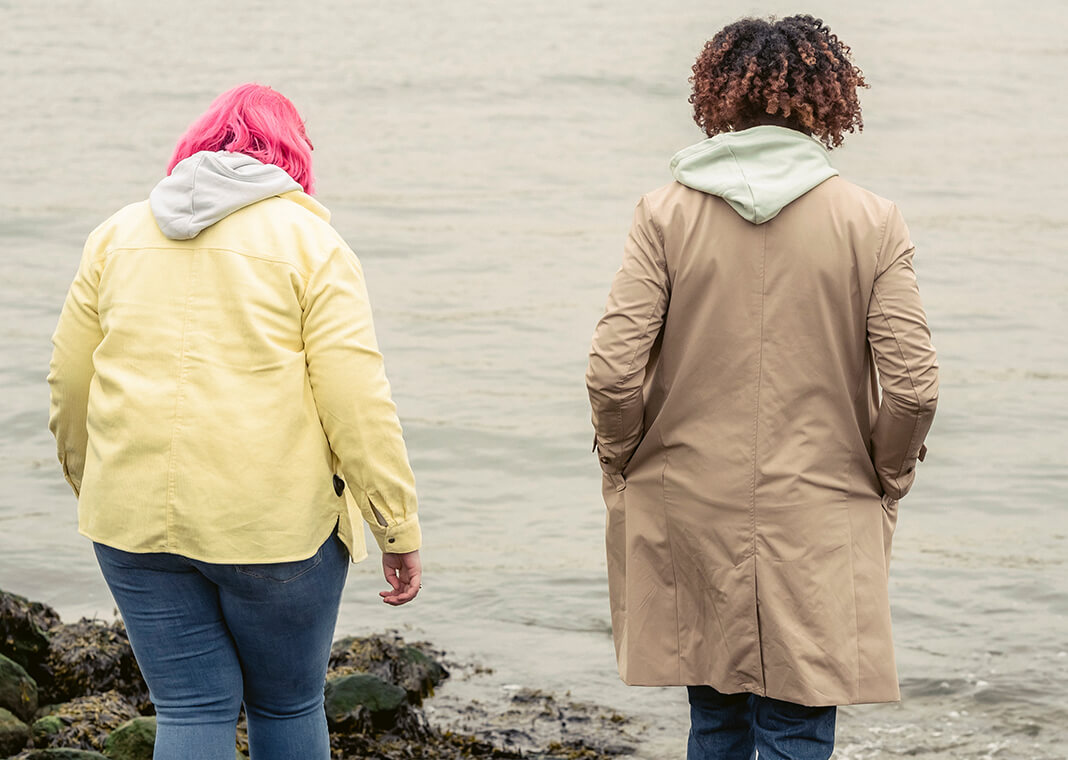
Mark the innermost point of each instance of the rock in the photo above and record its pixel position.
(91, 657)
(410, 666)
(65, 754)
(362, 703)
(43, 728)
(23, 630)
(133, 740)
(85, 722)
(18, 692)
(14, 734)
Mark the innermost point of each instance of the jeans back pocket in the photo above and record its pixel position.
(282, 572)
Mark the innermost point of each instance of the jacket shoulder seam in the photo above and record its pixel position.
(246, 254)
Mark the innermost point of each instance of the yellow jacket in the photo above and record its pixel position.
(206, 391)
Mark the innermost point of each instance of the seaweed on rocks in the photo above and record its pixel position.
(416, 668)
(84, 722)
(91, 657)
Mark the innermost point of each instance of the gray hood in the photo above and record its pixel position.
(758, 171)
(208, 187)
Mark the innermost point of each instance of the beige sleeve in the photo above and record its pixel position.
(622, 341)
(352, 395)
(71, 370)
(905, 359)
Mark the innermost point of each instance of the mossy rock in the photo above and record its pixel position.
(24, 631)
(413, 667)
(14, 734)
(18, 692)
(43, 729)
(91, 657)
(363, 703)
(64, 753)
(133, 740)
(85, 722)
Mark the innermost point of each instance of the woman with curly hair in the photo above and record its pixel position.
(752, 468)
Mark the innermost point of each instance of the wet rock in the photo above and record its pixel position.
(133, 740)
(413, 667)
(23, 630)
(65, 754)
(91, 657)
(14, 734)
(86, 721)
(18, 692)
(362, 703)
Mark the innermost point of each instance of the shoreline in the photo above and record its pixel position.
(73, 691)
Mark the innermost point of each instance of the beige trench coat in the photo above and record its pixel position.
(750, 471)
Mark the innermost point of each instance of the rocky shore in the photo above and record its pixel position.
(73, 691)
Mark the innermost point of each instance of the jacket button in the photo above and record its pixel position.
(606, 460)
(391, 540)
(909, 470)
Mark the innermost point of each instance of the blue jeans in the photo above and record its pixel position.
(208, 637)
(736, 726)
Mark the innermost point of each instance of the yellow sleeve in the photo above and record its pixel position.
(71, 370)
(352, 395)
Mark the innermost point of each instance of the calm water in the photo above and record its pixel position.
(483, 159)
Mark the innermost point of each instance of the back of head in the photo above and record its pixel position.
(793, 72)
(257, 121)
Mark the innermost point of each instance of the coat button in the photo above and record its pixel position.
(909, 470)
(606, 460)
(391, 540)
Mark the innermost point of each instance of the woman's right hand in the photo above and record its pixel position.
(403, 573)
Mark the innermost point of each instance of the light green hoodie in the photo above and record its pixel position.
(758, 171)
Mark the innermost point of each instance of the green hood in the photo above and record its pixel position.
(758, 171)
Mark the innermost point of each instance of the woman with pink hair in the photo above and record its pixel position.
(222, 414)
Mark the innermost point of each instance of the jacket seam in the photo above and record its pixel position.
(648, 319)
(756, 428)
(246, 254)
(852, 571)
(756, 396)
(674, 572)
(749, 187)
(172, 477)
(908, 374)
(642, 337)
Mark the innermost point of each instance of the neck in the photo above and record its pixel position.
(770, 120)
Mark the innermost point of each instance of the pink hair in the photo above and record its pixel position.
(255, 120)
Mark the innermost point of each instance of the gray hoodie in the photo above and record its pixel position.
(758, 171)
(208, 187)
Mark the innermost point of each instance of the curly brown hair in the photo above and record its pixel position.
(794, 72)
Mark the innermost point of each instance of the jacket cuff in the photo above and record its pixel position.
(399, 538)
(609, 465)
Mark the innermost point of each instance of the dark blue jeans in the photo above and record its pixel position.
(209, 637)
(743, 726)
